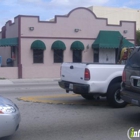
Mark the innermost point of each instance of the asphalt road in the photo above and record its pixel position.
(66, 121)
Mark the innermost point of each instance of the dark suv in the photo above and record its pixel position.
(130, 87)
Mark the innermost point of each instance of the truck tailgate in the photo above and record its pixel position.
(73, 72)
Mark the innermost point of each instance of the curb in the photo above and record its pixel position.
(27, 81)
(35, 80)
(6, 82)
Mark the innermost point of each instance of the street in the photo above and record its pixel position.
(66, 116)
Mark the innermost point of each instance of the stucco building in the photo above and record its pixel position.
(38, 48)
(115, 15)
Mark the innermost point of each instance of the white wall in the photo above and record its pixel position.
(12, 28)
(107, 56)
(9, 72)
(5, 52)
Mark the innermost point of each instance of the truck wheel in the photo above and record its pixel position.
(113, 96)
(87, 97)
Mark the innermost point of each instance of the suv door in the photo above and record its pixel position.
(132, 72)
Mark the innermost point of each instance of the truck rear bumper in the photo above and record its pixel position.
(76, 88)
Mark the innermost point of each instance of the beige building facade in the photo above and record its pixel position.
(38, 48)
(115, 15)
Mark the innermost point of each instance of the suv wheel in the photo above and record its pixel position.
(113, 96)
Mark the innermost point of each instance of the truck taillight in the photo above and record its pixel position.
(124, 76)
(87, 74)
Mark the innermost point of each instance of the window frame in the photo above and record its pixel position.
(40, 56)
(74, 56)
(58, 56)
(96, 55)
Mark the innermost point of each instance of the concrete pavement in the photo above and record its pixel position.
(5, 82)
(44, 85)
(28, 85)
(27, 81)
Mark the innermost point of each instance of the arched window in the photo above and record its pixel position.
(77, 47)
(58, 47)
(38, 48)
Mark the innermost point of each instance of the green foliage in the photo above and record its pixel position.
(138, 37)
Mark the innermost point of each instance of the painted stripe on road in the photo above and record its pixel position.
(71, 99)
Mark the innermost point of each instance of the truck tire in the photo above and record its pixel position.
(87, 97)
(113, 96)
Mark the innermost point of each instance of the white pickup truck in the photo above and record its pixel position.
(93, 80)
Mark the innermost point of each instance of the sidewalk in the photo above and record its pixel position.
(22, 81)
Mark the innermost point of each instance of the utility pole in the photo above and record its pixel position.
(119, 49)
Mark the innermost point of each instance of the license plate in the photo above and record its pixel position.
(135, 102)
(70, 86)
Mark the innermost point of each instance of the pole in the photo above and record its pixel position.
(119, 49)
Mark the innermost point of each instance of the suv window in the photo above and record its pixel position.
(134, 60)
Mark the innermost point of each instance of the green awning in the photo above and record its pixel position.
(9, 42)
(110, 39)
(58, 45)
(38, 44)
(77, 45)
